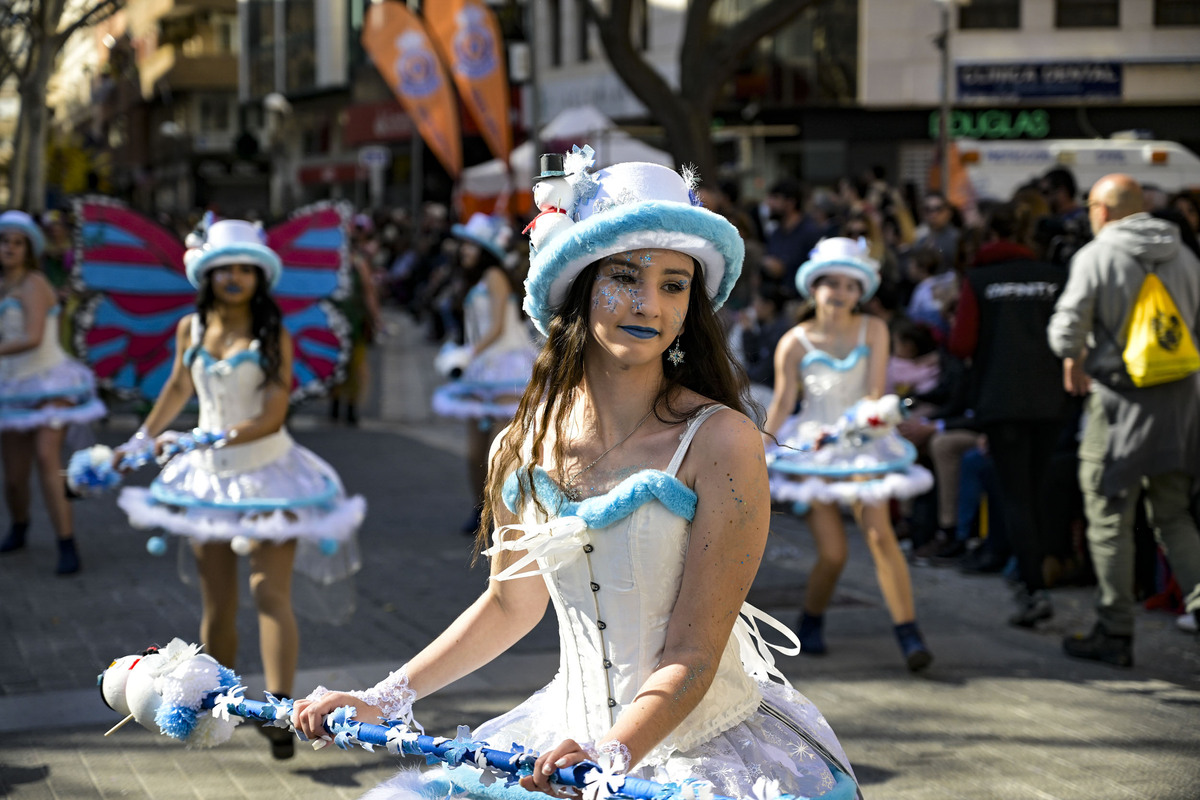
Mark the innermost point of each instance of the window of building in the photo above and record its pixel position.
(554, 23)
(260, 46)
(1087, 13)
(583, 29)
(301, 37)
(214, 115)
(990, 15)
(1172, 13)
(225, 34)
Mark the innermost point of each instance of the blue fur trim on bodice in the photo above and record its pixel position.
(838, 364)
(210, 361)
(614, 505)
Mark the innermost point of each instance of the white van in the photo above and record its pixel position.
(997, 168)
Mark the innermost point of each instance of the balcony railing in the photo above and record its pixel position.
(187, 73)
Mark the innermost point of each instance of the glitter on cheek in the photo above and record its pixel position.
(611, 295)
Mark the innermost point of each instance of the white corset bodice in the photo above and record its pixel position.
(230, 391)
(47, 354)
(477, 318)
(613, 565)
(832, 385)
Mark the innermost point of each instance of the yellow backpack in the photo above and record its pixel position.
(1159, 346)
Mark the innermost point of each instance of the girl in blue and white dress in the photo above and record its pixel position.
(257, 492)
(497, 357)
(629, 494)
(42, 389)
(837, 450)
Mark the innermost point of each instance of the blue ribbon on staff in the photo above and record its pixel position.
(91, 471)
(347, 732)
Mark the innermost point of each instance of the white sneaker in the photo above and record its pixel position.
(1186, 622)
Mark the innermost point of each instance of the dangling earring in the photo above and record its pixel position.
(675, 354)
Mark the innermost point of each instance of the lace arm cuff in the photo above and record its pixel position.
(612, 756)
(393, 697)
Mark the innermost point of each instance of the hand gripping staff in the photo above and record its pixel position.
(91, 472)
(187, 695)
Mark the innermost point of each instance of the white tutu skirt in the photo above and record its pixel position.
(491, 386)
(869, 470)
(760, 747)
(295, 496)
(64, 394)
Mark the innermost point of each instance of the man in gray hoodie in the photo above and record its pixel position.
(1134, 438)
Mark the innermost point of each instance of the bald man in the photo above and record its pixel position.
(1135, 438)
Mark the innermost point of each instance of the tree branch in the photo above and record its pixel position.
(93, 16)
(735, 41)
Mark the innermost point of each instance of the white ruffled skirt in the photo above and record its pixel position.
(871, 470)
(491, 386)
(763, 747)
(295, 496)
(61, 395)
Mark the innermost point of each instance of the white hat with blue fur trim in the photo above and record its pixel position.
(631, 206)
(230, 241)
(21, 222)
(483, 230)
(841, 256)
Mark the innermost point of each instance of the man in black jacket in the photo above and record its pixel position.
(1017, 391)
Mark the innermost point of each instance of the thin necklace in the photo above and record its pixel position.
(573, 494)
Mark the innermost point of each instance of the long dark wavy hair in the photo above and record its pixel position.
(266, 320)
(709, 369)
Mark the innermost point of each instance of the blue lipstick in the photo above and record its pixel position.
(639, 332)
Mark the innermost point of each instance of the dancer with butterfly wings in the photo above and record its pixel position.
(254, 491)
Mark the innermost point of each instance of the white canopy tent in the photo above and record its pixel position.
(581, 125)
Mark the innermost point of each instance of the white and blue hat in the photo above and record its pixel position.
(21, 222)
(230, 241)
(839, 255)
(490, 233)
(631, 206)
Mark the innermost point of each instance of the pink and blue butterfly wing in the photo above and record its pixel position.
(314, 247)
(129, 272)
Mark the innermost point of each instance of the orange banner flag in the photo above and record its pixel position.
(403, 53)
(468, 37)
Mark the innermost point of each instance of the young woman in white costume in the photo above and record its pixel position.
(833, 360)
(630, 493)
(498, 350)
(42, 389)
(257, 493)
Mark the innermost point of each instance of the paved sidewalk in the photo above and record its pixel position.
(1001, 715)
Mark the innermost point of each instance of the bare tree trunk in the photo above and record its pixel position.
(30, 187)
(16, 173)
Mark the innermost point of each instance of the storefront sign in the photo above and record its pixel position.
(1032, 81)
(376, 122)
(994, 123)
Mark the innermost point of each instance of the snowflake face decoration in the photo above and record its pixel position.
(618, 283)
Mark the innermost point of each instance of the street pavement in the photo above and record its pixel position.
(1001, 714)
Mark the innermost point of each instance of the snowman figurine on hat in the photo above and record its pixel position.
(554, 196)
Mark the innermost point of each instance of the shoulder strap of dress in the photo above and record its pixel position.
(862, 332)
(195, 329)
(693, 425)
(803, 337)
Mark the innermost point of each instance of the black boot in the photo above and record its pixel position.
(68, 558)
(916, 653)
(351, 415)
(16, 537)
(1032, 607)
(335, 409)
(1100, 645)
